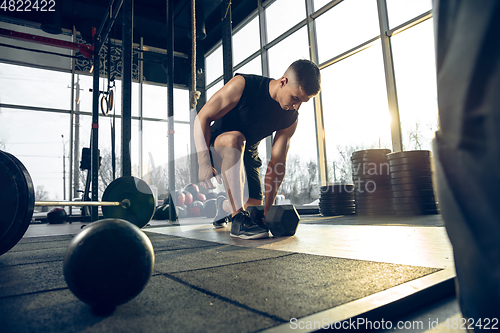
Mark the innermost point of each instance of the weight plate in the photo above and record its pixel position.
(17, 201)
(409, 160)
(412, 187)
(369, 160)
(338, 195)
(336, 201)
(409, 153)
(137, 192)
(10, 195)
(413, 200)
(373, 213)
(422, 193)
(421, 206)
(408, 167)
(346, 198)
(375, 205)
(411, 173)
(411, 180)
(417, 212)
(364, 182)
(371, 152)
(337, 189)
(350, 212)
(372, 188)
(373, 200)
(337, 208)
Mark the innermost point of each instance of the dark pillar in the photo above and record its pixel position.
(227, 48)
(94, 144)
(127, 27)
(170, 106)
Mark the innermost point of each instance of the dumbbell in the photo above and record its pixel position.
(282, 220)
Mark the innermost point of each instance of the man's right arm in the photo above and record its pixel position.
(221, 103)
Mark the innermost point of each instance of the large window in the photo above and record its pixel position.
(345, 26)
(39, 140)
(213, 65)
(415, 70)
(355, 109)
(354, 92)
(34, 87)
(282, 15)
(246, 41)
(302, 177)
(401, 11)
(252, 67)
(283, 54)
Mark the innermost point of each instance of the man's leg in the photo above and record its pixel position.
(229, 148)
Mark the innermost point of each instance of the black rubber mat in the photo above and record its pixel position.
(198, 286)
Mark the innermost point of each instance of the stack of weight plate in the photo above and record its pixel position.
(372, 190)
(337, 200)
(411, 183)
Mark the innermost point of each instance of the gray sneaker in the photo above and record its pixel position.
(243, 227)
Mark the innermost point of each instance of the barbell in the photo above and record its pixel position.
(128, 198)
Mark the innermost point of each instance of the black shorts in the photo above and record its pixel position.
(252, 163)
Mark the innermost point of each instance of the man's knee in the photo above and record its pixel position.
(233, 139)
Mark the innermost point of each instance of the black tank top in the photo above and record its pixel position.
(256, 115)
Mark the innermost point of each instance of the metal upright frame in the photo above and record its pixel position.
(127, 40)
(227, 47)
(170, 107)
(390, 79)
(99, 39)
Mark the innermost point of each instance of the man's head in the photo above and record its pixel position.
(301, 81)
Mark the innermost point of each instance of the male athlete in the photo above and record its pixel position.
(229, 128)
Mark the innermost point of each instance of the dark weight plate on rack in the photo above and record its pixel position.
(373, 201)
(380, 205)
(411, 180)
(340, 207)
(341, 188)
(411, 173)
(373, 213)
(410, 153)
(421, 206)
(413, 200)
(368, 152)
(421, 193)
(336, 213)
(340, 201)
(417, 212)
(409, 160)
(17, 201)
(371, 189)
(412, 187)
(368, 161)
(408, 167)
(379, 180)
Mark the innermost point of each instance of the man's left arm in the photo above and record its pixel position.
(277, 165)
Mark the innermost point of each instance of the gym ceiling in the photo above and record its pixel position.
(149, 20)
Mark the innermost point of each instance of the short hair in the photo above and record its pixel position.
(307, 75)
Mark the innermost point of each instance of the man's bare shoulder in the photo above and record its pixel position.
(234, 88)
